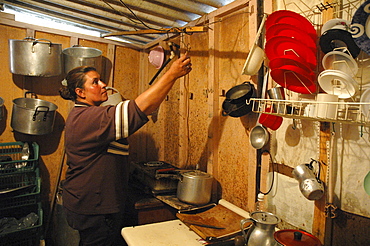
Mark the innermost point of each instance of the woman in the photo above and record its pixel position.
(96, 148)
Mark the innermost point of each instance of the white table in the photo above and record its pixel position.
(168, 233)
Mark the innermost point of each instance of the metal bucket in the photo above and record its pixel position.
(35, 57)
(114, 98)
(82, 56)
(33, 116)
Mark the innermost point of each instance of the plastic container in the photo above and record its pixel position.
(260, 204)
(11, 160)
(28, 195)
(25, 234)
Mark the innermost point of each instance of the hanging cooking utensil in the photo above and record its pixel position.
(32, 115)
(78, 55)
(256, 54)
(259, 135)
(35, 57)
(172, 55)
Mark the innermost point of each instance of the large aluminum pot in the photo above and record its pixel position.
(82, 56)
(195, 187)
(33, 116)
(35, 57)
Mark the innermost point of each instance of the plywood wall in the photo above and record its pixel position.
(189, 127)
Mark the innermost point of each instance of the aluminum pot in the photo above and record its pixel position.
(77, 56)
(35, 57)
(235, 110)
(291, 237)
(195, 187)
(114, 98)
(33, 116)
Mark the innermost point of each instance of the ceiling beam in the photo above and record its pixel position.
(162, 31)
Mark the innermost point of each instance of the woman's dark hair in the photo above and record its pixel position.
(74, 79)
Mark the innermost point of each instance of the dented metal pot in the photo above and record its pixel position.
(195, 187)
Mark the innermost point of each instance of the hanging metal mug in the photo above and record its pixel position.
(309, 184)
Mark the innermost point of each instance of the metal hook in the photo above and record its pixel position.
(294, 126)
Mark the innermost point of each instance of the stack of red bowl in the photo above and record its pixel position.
(291, 49)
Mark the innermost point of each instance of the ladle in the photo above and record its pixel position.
(259, 135)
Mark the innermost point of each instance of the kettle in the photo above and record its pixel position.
(310, 185)
(262, 230)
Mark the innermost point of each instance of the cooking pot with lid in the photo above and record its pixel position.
(195, 187)
(290, 237)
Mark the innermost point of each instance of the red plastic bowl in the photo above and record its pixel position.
(291, 60)
(156, 57)
(294, 78)
(271, 121)
(279, 46)
(292, 18)
(288, 30)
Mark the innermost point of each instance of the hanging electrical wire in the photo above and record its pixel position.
(137, 18)
(121, 13)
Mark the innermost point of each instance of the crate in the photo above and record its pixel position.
(19, 189)
(29, 236)
(30, 196)
(11, 157)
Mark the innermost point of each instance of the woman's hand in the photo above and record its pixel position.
(150, 99)
(180, 67)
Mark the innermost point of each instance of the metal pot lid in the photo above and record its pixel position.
(196, 174)
(290, 237)
(265, 218)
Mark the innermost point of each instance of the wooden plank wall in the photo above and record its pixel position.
(189, 128)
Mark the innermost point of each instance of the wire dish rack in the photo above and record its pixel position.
(341, 112)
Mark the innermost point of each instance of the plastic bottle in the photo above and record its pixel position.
(260, 204)
(25, 155)
(25, 151)
(28, 221)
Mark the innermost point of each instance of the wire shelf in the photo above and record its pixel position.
(341, 112)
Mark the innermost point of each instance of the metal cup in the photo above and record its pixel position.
(279, 94)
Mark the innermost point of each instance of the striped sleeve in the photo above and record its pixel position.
(122, 124)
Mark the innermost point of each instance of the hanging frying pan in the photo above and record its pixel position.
(167, 61)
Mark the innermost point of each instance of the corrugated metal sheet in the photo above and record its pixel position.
(112, 16)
